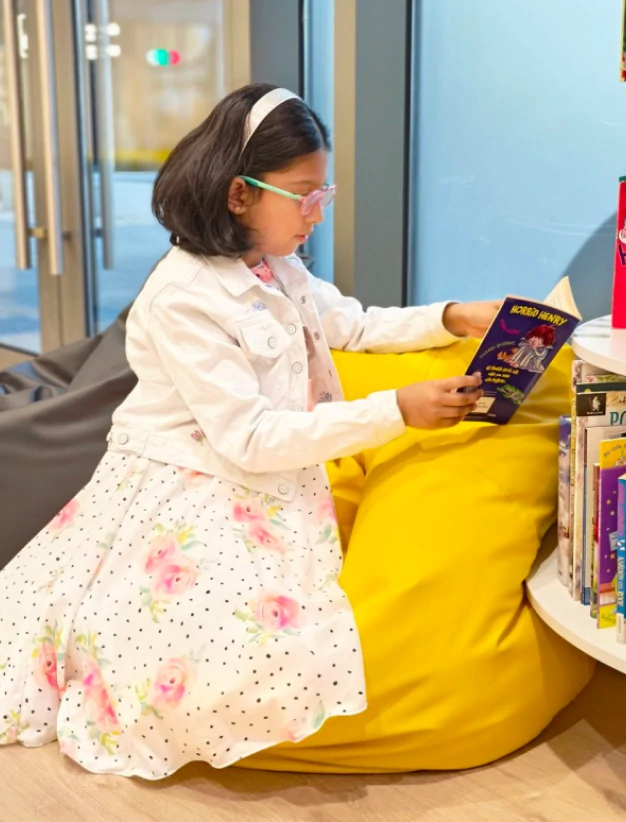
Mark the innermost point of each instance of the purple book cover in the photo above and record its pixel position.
(520, 344)
(607, 546)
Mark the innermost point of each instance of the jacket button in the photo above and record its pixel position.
(291, 329)
(272, 342)
(283, 489)
(316, 335)
(122, 439)
(296, 368)
(303, 300)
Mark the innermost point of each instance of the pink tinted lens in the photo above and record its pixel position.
(322, 197)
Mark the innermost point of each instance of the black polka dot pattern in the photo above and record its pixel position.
(165, 617)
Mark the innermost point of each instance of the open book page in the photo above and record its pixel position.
(561, 298)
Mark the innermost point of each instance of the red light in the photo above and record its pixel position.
(174, 58)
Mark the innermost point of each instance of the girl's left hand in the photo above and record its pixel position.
(470, 319)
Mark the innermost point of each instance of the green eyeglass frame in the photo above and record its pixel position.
(321, 196)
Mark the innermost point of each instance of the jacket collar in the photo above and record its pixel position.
(237, 278)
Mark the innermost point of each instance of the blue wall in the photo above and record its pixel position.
(521, 138)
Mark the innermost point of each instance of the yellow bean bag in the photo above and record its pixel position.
(441, 530)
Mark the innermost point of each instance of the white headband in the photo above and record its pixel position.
(262, 108)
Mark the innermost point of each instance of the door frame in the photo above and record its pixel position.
(58, 191)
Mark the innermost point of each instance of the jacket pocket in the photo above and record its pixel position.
(265, 338)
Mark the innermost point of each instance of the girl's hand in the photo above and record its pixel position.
(438, 403)
(470, 319)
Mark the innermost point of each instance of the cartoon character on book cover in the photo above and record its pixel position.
(532, 349)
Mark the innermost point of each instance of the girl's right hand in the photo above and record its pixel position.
(438, 403)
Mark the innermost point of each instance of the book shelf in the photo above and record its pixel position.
(598, 344)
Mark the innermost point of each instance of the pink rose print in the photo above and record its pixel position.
(264, 538)
(97, 699)
(327, 509)
(92, 679)
(173, 680)
(175, 578)
(162, 551)
(198, 436)
(276, 613)
(46, 671)
(192, 478)
(11, 735)
(68, 747)
(250, 510)
(105, 718)
(65, 517)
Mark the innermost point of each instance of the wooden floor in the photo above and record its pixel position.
(573, 772)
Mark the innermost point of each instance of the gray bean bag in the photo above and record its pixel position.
(55, 412)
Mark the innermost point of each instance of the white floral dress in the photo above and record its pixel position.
(166, 616)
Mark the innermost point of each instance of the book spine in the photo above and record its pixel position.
(578, 505)
(595, 546)
(564, 543)
(621, 560)
(618, 314)
(577, 368)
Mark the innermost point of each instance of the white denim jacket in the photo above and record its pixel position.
(222, 369)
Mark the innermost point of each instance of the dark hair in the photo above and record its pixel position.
(190, 196)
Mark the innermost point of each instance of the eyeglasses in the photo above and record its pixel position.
(308, 202)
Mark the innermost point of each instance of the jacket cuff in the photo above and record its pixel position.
(439, 334)
(388, 420)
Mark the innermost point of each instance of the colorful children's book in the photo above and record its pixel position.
(612, 467)
(519, 345)
(596, 405)
(593, 440)
(582, 372)
(564, 544)
(621, 560)
(594, 542)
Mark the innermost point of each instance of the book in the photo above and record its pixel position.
(593, 606)
(563, 532)
(612, 467)
(518, 347)
(621, 560)
(594, 437)
(596, 405)
(582, 372)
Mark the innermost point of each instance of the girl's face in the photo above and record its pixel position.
(276, 221)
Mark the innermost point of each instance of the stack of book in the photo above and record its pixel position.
(592, 496)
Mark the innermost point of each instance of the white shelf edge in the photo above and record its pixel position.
(552, 602)
(600, 345)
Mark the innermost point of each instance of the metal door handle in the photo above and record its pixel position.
(18, 140)
(49, 114)
(105, 144)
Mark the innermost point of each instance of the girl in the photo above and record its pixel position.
(186, 605)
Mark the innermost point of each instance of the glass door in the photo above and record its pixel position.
(41, 233)
(153, 70)
(20, 324)
(93, 96)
